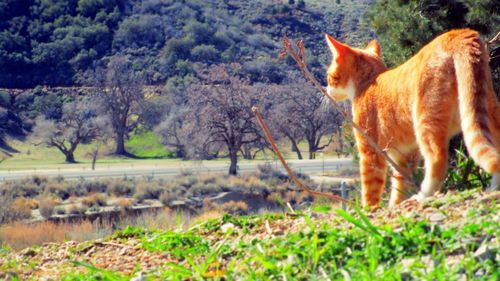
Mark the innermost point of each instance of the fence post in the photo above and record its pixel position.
(343, 193)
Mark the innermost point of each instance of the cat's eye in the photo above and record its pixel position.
(335, 78)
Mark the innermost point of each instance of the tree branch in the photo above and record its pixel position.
(287, 168)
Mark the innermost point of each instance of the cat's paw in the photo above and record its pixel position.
(416, 199)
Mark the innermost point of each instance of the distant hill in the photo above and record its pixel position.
(53, 42)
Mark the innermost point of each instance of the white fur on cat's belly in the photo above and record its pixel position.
(341, 94)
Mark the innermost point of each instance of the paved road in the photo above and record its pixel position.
(303, 166)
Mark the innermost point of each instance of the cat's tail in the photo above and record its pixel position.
(476, 95)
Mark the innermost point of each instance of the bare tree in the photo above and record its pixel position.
(172, 131)
(79, 124)
(301, 113)
(220, 106)
(120, 93)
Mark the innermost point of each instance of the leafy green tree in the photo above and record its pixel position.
(403, 27)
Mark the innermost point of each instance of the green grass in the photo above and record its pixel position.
(147, 145)
(415, 250)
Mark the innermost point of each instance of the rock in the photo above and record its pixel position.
(227, 227)
(139, 277)
(484, 253)
(436, 217)
(254, 202)
(177, 203)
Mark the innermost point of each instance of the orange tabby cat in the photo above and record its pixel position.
(414, 109)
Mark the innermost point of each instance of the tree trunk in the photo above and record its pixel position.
(312, 151)
(233, 167)
(245, 151)
(295, 148)
(70, 157)
(120, 143)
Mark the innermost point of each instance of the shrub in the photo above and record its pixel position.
(124, 203)
(167, 198)
(188, 181)
(59, 189)
(60, 210)
(13, 209)
(120, 188)
(95, 200)
(239, 208)
(147, 190)
(202, 190)
(77, 209)
(205, 53)
(261, 41)
(21, 188)
(255, 186)
(46, 206)
(95, 186)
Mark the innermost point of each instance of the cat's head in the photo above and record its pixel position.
(349, 67)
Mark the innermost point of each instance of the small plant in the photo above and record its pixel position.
(464, 173)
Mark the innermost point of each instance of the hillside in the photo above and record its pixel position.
(452, 237)
(55, 42)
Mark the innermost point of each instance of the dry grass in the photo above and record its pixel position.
(19, 235)
(239, 208)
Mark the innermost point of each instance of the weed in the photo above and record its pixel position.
(180, 245)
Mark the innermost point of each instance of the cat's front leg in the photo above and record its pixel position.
(373, 168)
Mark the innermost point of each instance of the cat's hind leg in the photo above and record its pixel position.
(433, 140)
(373, 168)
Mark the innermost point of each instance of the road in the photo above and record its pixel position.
(303, 166)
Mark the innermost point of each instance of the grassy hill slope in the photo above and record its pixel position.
(452, 237)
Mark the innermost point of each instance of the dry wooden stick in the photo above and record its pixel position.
(494, 40)
(289, 171)
(299, 56)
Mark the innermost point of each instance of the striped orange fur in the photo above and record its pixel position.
(414, 109)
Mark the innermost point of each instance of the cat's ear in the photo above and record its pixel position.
(373, 47)
(338, 49)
